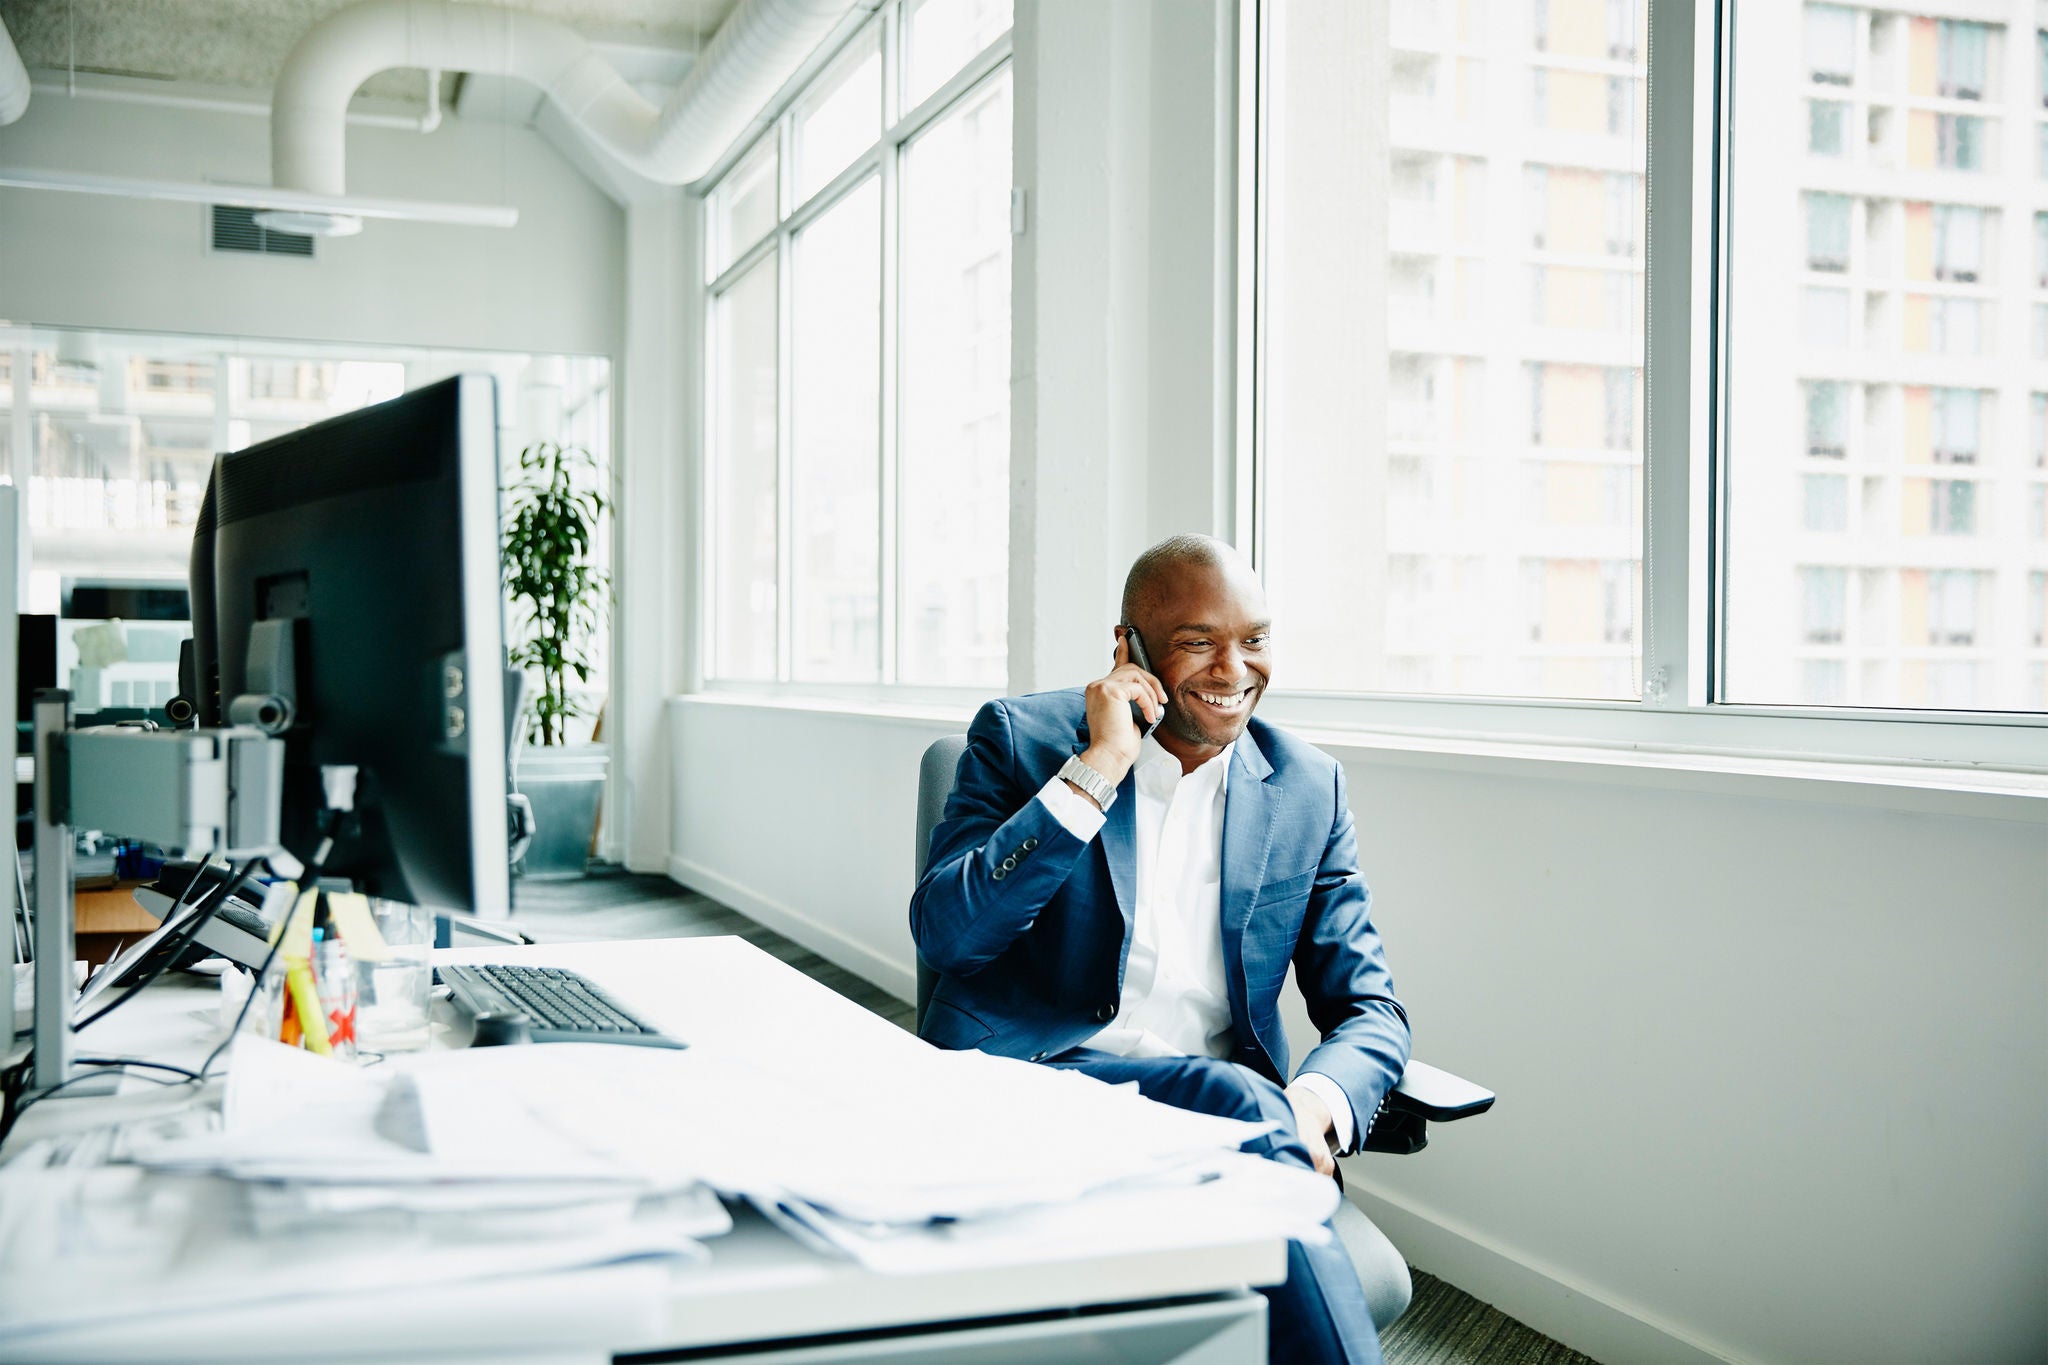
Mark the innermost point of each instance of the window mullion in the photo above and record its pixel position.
(785, 349)
(890, 434)
(1677, 282)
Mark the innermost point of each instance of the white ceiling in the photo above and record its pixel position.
(242, 43)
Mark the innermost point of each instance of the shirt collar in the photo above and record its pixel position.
(1159, 771)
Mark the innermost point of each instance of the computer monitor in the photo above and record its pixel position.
(375, 535)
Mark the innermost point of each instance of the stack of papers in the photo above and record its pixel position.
(322, 1180)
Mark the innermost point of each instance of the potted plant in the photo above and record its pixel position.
(559, 597)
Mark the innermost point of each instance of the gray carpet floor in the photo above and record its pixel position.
(1443, 1325)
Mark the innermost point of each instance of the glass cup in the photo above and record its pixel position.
(392, 996)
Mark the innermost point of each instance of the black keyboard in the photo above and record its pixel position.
(561, 1006)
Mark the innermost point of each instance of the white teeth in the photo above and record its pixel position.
(1223, 703)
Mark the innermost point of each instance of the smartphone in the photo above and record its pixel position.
(1144, 661)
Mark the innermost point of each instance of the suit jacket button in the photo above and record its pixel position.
(999, 873)
(1105, 1014)
(1040, 1056)
(1030, 844)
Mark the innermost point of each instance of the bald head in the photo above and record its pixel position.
(1153, 569)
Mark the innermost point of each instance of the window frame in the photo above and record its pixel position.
(883, 161)
(1685, 487)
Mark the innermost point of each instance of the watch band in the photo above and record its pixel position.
(1099, 788)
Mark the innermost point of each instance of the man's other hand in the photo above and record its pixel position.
(1312, 1121)
(1113, 736)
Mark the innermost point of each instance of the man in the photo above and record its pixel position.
(1127, 904)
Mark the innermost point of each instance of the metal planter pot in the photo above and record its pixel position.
(566, 787)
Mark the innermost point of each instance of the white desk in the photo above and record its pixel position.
(723, 994)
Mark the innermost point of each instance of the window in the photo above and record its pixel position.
(857, 463)
(835, 443)
(743, 473)
(1827, 232)
(1864, 391)
(1958, 242)
(953, 487)
(1514, 427)
(1959, 141)
(118, 436)
(1955, 428)
(1827, 418)
(1824, 598)
(1950, 605)
(840, 116)
(1962, 60)
(1831, 44)
(2041, 249)
(1824, 122)
(1827, 502)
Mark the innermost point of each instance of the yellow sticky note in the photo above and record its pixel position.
(295, 928)
(357, 927)
(277, 904)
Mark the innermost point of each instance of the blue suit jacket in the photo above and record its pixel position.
(1029, 928)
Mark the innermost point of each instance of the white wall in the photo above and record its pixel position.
(553, 283)
(1772, 1051)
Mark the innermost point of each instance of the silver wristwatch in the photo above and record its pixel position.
(1099, 788)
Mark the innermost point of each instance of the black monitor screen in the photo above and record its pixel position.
(374, 535)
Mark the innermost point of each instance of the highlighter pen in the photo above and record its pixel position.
(298, 979)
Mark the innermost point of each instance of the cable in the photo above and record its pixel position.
(17, 1106)
(310, 882)
(175, 946)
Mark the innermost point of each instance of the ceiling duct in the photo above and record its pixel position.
(754, 54)
(13, 80)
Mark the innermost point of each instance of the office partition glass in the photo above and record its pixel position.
(111, 436)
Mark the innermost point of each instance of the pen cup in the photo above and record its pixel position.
(392, 996)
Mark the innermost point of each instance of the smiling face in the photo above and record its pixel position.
(1206, 629)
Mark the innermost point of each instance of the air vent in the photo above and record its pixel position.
(234, 229)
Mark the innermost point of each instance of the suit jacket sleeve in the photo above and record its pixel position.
(996, 859)
(1342, 972)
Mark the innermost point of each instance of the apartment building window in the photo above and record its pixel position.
(1952, 607)
(1827, 502)
(1825, 120)
(1830, 44)
(1951, 505)
(857, 384)
(1955, 427)
(1827, 231)
(1959, 141)
(1824, 604)
(2037, 609)
(1962, 59)
(1866, 385)
(1958, 242)
(2037, 428)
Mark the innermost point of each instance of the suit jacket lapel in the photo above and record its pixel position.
(1247, 843)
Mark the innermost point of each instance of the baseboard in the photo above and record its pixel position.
(822, 939)
(1540, 1296)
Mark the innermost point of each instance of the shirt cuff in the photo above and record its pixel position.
(1341, 1117)
(1071, 809)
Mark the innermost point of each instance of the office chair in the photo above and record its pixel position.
(1425, 1093)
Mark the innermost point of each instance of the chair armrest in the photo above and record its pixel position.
(1436, 1094)
(1425, 1092)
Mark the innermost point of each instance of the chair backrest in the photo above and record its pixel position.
(935, 774)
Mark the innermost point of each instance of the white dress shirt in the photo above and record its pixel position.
(1175, 1000)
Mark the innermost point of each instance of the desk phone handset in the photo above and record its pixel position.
(1144, 661)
